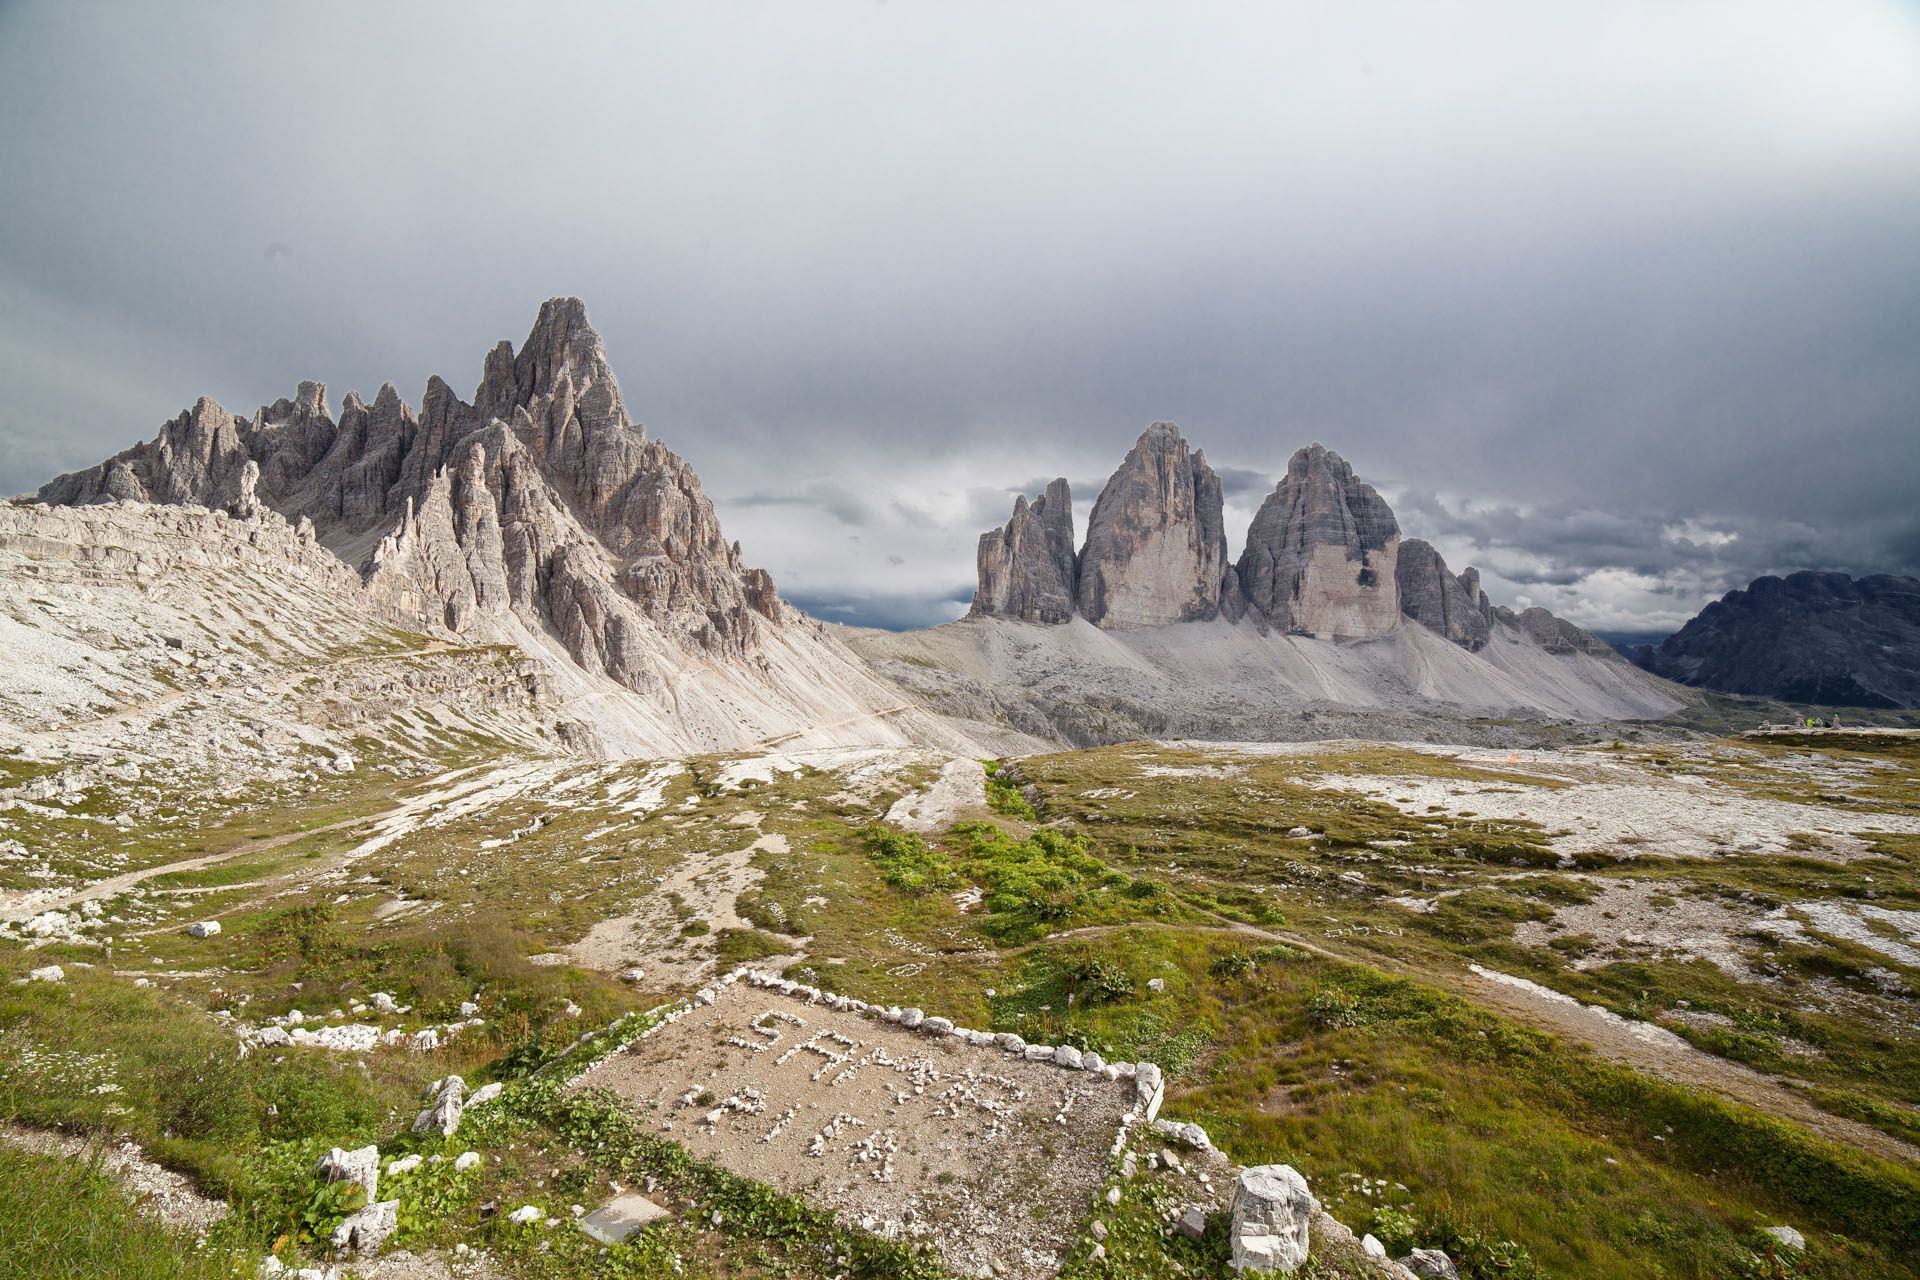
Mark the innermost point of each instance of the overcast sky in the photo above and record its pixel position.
(1620, 302)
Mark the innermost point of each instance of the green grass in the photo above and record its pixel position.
(65, 1220)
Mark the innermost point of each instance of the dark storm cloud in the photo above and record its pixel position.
(1619, 300)
(1238, 482)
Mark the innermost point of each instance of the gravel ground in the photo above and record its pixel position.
(990, 1158)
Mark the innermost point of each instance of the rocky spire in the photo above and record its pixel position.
(1439, 601)
(1027, 569)
(1321, 553)
(1156, 543)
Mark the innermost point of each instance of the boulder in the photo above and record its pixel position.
(1788, 1238)
(444, 1115)
(204, 928)
(361, 1165)
(47, 973)
(1272, 1214)
(1430, 1264)
(365, 1230)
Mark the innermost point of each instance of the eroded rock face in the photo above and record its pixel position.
(1553, 633)
(1321, 553)
(540, 500)
(1027, 570)
(1156, 548)
(1436, 599)
(1273, 1211)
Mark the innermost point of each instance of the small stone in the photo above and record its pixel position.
(50, 973)
(1371, 1246)
(204, 928)
(466, 1160)
(620, 1217)
(1113, 1195)
(1193, 1222)
(525, 1214)
(1789, 1237)
(1156, 984)
(912, 1018)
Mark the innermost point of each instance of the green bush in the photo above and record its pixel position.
(907, 862)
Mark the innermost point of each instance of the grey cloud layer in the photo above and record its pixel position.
(1593, 273)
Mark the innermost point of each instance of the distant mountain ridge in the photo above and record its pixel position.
(1329, 624)
(1323, 557)
(1826, 639)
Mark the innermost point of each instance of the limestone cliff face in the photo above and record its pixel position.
(540, 500)
(1156, 548)
(1322, 552)
(1027, 570)
(1453, 607)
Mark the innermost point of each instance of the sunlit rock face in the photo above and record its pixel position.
(540, 499)
(1322, 552)
(1156, 548)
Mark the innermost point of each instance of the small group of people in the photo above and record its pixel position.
(1823, 722)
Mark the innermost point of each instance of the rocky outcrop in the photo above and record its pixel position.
(1321, 553)
(1552, 633)
(1156, 548)
(1824, 639)
(1273, 1211)
(541, 500)
(1027, 570)
(1434, 598)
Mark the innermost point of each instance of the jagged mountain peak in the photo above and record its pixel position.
(1320, 554)
(1156, 549)
(540, 500)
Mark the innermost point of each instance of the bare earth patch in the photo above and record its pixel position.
(704, 887)
(960, 790)
(989, 1157)
(1647, 814)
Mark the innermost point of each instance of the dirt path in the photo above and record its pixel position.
(1654, 1049)
(780, 740)
(450, 796)
(707, 887)
(15, 910)
(960, 788)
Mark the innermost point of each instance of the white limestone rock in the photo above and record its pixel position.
(1273, 1210)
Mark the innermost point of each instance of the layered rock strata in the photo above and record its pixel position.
(1028, 570)
(1321, 553)
(1156, 547)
